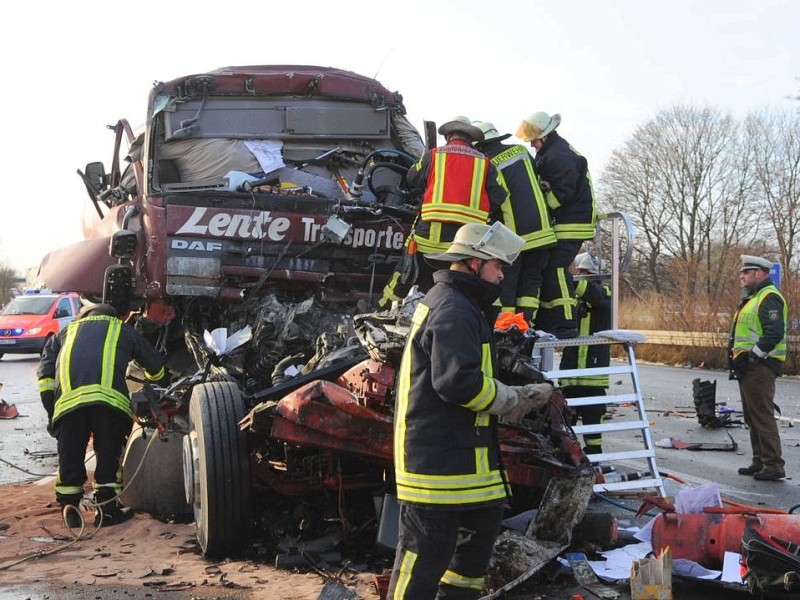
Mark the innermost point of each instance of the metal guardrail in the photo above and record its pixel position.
(698, 339)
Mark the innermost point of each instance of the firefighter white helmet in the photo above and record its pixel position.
(478, 240)
(587, 262)
(537, 125)
(490, 131)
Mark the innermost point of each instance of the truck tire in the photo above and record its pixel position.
(157, 486)
(217, 468)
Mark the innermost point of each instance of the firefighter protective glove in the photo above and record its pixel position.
(505, 399)
(530, 398)
(524, 405)
(538, 393)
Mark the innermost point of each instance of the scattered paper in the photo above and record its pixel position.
(731, 568)
(267, 153)
(645, 534)
(689, 568)
(291, 371)
(220, 343)
(618, 563)
(692, 500)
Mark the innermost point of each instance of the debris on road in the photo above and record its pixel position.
(8, 411)
(732, 447)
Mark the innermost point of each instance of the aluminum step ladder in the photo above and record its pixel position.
(652, 479)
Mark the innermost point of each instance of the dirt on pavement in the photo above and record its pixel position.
(141, 558)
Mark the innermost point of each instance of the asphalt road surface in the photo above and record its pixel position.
(668, 399)
(24, 441)
(670, 410)
(667, 392)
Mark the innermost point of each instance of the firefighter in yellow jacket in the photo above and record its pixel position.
(82, 383)
(527, 215)
(458, 185)
(447, 469)
(593, 312)
(565, 179)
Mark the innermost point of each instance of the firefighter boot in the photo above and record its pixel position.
(751, 469)
(109, 512)
(71, 513)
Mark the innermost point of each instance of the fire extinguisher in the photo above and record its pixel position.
(704, 538)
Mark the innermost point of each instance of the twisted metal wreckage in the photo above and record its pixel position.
(270, 201)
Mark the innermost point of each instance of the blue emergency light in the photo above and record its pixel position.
(775, 274)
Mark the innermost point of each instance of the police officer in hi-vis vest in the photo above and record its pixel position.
(756, 353)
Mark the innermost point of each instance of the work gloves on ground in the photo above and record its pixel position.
(512, 403)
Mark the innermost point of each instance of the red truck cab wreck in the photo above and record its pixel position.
(270, 197)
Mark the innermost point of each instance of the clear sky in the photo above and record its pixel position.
(71, 68)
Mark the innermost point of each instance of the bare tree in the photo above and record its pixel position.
(687, 186)
(630, 185)
(775, 141)
(8, 278)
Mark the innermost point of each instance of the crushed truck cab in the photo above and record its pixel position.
(270, 200)
(245, 175)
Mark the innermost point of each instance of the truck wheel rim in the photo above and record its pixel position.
(191, 467)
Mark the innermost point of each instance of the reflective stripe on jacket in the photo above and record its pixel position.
(445, 448)
(459, 185)
(594, 302)
(526, 212)
(571, 196)
(86, 363)
(749, 329)
(456, 190)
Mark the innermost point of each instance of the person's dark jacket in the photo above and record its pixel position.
(445, 442)
(594, 314)
(570, 196)
(526, 214)
(86, 363)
